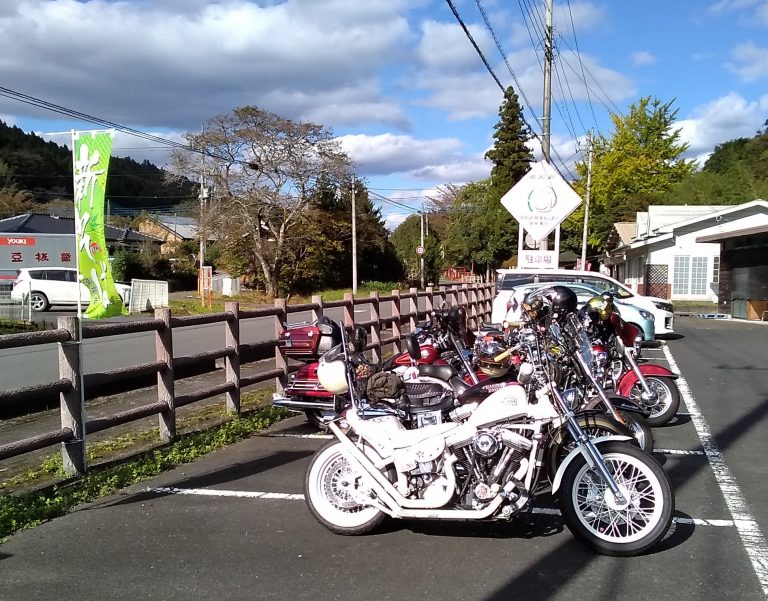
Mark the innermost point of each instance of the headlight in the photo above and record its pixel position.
(664, 306)
(646, 315)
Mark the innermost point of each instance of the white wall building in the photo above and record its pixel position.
(663, 257)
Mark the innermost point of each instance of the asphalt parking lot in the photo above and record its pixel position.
(234, 525)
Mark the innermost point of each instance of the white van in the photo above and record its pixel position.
(509, 279)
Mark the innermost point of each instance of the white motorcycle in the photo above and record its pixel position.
(487, 464)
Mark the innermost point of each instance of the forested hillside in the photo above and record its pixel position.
(37, 172)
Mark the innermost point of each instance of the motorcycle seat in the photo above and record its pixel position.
(442, 372)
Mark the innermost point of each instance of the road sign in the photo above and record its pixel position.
(541, 200)
(540, 259)
(419, 250)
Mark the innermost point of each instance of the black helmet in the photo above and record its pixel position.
(360, 339)
(457, 318)
(557, 301)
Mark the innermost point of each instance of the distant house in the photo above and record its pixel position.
(36, 239)
(674, 252)
(173, 230)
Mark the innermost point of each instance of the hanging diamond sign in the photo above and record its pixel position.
(541, 200)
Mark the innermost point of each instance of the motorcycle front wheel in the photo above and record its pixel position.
(593, 514)
(594, 425)
(640, 430)
(334, 490)
(669, 399)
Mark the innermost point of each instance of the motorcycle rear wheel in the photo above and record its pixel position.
(595, 518)
(669, 399)
(332, 491)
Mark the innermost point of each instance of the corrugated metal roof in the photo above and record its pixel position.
(40, 223)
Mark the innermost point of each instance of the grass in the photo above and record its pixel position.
(30, 509)
(195, 307)
(11, 326)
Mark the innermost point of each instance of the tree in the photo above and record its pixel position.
(637, 165)
(264, 174)
(510, 155)
(480, 230)
(12, 201)
(405, 239)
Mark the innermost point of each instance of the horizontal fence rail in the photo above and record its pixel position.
(167, 367)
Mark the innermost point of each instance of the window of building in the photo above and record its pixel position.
(681, 275)
(689, 276)
(716, 270)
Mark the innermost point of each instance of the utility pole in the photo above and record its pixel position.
(548, 58)
(354, 239)
(586, 205)
(421, 257)
(546, 125)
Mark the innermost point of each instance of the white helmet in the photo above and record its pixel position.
(333, 375)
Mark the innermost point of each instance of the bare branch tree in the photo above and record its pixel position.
(263, 172)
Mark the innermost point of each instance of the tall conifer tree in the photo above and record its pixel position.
(510, 154)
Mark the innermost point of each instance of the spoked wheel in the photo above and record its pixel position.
(336, 495)
(593, 514)
(319, 418)
(640, 430)
(669, 399)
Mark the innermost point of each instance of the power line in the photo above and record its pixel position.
(506, 61)
(474, 45)
(581, 62)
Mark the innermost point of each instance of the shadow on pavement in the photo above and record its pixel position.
(230, 473)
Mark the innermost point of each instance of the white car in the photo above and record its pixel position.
(55, 286)
(629, 312)
(509, 279)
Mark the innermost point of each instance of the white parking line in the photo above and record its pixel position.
(291, 435)
(246, 494)
(750, 533)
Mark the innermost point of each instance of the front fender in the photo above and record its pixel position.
(576, 452)
(629, 379)
(622, 403)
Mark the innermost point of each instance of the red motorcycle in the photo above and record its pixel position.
(306, 342)
(616, 349)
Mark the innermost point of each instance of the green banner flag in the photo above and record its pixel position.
(90, 159)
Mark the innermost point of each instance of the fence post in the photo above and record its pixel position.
(453, 296)
(488, 301)
(232, 362)
(413, 308)
(72, 411)
(165, 379)
(473, 306)
(463, 295)
(349, 309)
(317, 313)
(375, 326)
(442, 296)
(396, 334)
(430, 300)
(280, 361)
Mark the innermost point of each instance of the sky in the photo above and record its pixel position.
(397, 81)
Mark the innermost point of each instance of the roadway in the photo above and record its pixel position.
(233, 525)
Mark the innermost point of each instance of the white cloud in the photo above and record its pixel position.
(393, 220)
(721, 120)
(585, 16)
(177, 64)
(749, 62)
(642, 58)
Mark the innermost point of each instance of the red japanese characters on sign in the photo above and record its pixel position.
(16, 257)
(41, 257)
(66, 257)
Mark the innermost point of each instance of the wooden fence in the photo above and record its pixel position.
(75, 426)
